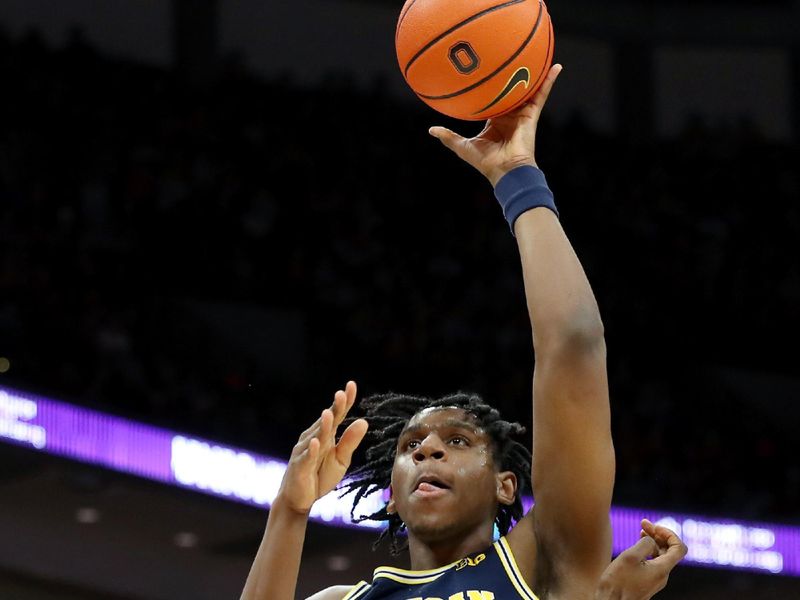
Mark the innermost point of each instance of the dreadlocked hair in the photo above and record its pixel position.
(388, 415)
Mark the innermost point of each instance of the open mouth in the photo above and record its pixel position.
(430, 484)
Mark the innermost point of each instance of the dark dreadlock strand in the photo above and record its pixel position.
(388, 415)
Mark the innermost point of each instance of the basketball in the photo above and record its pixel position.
(474, 59)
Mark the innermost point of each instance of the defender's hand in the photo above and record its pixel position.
(318, 463)
(506, 142)
(642, 570)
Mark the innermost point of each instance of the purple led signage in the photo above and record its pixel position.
(161, 455)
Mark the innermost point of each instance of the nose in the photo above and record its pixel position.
(431, 447)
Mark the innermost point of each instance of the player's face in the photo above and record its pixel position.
(444, 480)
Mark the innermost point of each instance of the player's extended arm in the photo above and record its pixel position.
(316, 467)
(573, 455)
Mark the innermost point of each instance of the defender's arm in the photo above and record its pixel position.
(317, 465)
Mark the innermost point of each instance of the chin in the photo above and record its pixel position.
(433, 528)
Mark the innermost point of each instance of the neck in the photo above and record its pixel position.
(427, 555)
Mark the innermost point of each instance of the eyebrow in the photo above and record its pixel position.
(451, 423)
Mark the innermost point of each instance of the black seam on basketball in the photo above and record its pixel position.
(402, 18)
(538, 81)
(455, 27)
(496, 71)
(548, 63)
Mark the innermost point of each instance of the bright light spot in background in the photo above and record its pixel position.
(185, 539)
(5, 364)
(87, 515)
(338, 563)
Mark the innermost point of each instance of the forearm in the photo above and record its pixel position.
(561, 304)
(273, 575)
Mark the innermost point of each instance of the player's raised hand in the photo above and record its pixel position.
(642, 570)
(318, 463)
(506, 142)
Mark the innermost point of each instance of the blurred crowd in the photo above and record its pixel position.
(127, 193)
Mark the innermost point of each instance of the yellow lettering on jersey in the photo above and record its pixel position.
(470, 562)
(471, 595)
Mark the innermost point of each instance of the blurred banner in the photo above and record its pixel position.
(236, 474)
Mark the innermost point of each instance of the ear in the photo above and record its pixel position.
(390, 508)
(506, 487)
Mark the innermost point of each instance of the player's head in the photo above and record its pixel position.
(460, 442)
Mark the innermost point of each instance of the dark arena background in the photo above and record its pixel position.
(213, 213)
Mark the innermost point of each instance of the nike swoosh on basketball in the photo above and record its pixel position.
(521, 75)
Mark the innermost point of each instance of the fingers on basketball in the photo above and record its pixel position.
(540, 98)
(448, 137)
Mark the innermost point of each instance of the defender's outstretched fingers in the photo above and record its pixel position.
(311, 453)
(343, 402)
(312, 431)
(350, 440)
(350, 390)
(326, 430)
(309, 434)
(339, 407)
(301, 449)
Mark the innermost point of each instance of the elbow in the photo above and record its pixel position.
(579, 332)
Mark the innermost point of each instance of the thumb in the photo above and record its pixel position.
(350, 440)
(449, 138)
(642, 550)
(675, 551)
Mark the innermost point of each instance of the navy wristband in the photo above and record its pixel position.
(521, 190)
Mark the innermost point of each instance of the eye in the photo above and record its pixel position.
(459, 441)
(411, 444)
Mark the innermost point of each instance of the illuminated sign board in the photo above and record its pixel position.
(239, 475)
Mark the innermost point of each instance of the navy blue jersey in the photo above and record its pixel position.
(489, 575)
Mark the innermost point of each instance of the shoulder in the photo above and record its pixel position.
(523, 540)
(543, 565)
(532, 562)
(337, 592)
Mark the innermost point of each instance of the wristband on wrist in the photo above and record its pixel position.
(521, 190)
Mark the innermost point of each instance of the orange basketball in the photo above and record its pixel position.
(474, 59)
